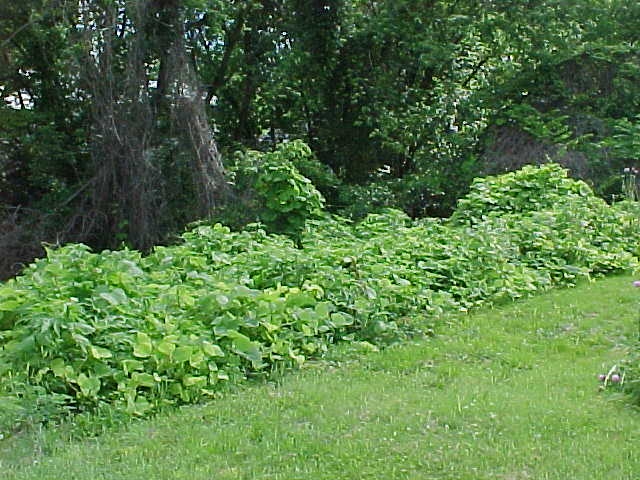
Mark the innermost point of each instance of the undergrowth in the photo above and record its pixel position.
(83, 331)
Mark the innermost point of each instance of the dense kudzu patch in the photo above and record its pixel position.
(83, 329)
(530, 189)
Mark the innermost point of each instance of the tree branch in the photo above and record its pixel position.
(231, 39)
(12, 36)
(474, 72)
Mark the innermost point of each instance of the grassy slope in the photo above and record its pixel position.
(508, 393)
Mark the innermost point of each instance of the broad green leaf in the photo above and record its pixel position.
(166, 347)
(182, 353)
(341, 319)
(222, 300)
(307, 315)
(76, 327)
(194, 275)
(131, 268)
(102, 370)
(212, 350)
(270, 327)
(116, 296)
(185, 297)
(143, 379)
(175, 389)
(244, 347)
(81, 340)
(99, 352)
(143, 346)
(191, 381)
(300, 299)
(197, 358)
(243, 291)
(89, 386)
(131, 365)
(222, 331)
(307, 331)
(58, 367)
(323, 309)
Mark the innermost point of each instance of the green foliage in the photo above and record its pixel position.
(360, 200)
(625, 141)
(321, 176)
(263, 180)
(418, 195)
(530, 189)
(82, 330)
(289, 197)
(419, 87)
(550, 127)
(482, 374)
(143, 333)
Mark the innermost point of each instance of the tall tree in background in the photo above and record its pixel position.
(111, 106)
(41, 123)
(43, 134)
(104, 135)
(154, 158)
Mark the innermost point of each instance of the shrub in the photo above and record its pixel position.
(357, 201)
(270, 188)
(289, 197)
(321, 175)
(81, 330)
(530, 189)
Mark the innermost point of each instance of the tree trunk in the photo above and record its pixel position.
(156, 163)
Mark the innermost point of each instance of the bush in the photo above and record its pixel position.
(322, 177)
(81, 330)
(270, 188)
(357, 201)
(530, 189)
(289, 197)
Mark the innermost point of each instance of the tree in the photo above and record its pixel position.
(155, 162)
(111, 106)
(104, 137)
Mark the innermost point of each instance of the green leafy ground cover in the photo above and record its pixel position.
(507, 393)
(116, 331)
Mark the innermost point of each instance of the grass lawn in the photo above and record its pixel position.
(507, 393)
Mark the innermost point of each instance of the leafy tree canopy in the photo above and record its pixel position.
(120, 117)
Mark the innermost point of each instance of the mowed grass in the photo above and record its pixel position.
(507, 393)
